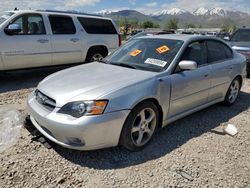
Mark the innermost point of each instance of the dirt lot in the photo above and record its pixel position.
(192, 152)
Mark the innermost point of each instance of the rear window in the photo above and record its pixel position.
(62, 25)
(97, 26)
(218, 51)
(242, 35)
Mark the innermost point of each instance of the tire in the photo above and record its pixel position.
(140, 126)
(94, 55)
(233, 92)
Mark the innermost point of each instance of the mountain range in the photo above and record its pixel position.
(204, 17)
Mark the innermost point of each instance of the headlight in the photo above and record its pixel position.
(80, 108)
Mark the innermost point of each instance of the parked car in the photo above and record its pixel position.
(149, 32)
(146, 84)
(240, 41)
(45, 38)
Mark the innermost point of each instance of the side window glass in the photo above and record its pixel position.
(62, 25)
(216, 51)
(30, 25)
(228, 52)
(97, 26)
(196, 51)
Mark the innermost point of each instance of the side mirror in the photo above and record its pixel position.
(226, 38)
(188, 65)
(13, 29)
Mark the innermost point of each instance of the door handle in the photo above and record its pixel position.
(206, 75)
(74, 40)
(42, 41)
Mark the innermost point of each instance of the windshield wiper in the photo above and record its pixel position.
(124, 65)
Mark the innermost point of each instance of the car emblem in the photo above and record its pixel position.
(41, 99)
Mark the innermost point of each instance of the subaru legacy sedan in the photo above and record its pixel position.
(143, 86)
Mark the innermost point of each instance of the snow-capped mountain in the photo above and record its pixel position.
(173, 11)
(218, 12)
(204, 17)
(201, 11)
(212, 12)
(106, 11)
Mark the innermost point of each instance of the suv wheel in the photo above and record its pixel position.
(140, 126)
(94, 55)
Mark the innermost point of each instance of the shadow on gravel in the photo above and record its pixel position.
(24, 79)
(165, 141)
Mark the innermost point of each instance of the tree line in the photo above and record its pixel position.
(228, 25)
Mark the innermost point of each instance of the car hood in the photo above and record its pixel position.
(89, 82)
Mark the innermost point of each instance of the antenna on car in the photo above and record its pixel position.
(16, 9)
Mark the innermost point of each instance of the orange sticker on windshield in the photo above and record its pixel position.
(135, 53)
(162, 49)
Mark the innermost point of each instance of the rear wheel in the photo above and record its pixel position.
(140, 126)
(233, 92)
(95, 54)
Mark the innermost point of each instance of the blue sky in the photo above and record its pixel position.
(146, 6)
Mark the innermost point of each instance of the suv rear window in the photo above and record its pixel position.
(242, 35)
(62, 25)
(97, 26)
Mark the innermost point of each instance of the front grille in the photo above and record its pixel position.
(45, 101)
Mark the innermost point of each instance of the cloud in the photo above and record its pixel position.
(153, 4)
(241, 5)
(132, 2)
(76, 3)
(46, 4)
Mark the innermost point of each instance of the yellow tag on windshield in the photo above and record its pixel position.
(162, 49)
(135, 53)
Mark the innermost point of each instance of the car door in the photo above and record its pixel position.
(190, 88)
(28, 48)
(66, 43)
(220, 56)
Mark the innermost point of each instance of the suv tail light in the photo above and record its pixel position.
(120, 39)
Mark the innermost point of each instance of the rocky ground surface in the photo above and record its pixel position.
(192, 152)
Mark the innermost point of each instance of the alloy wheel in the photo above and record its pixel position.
(143, 127)
(97, 57)
(234, 91)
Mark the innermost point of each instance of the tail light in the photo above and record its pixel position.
(119, 39)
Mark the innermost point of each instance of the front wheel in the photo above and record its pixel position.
(233, 92)
(140, 126)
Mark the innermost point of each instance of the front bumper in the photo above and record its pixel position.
(85, 133)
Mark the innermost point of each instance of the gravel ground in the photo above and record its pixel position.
(192, 152)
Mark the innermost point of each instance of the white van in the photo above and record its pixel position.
(45, 38)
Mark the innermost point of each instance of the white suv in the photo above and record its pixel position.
(45, 38)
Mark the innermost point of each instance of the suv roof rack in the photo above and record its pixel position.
(69, 12)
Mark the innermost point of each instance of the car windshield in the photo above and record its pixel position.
(4, 16)
(149, 54)
(242, 35)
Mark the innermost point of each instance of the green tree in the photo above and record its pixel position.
(228, 26)
(156, 25)
(172, 24)
(148, 24)
(191, 25)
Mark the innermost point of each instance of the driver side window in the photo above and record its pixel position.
(196, 51)
(30, 25)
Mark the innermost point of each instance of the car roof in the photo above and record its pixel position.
(182, 37)
(55, 12)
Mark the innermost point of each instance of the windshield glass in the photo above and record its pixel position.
(146, 54)
(4, 16)
(242, 35)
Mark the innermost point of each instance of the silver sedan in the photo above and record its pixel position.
(143, 86)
